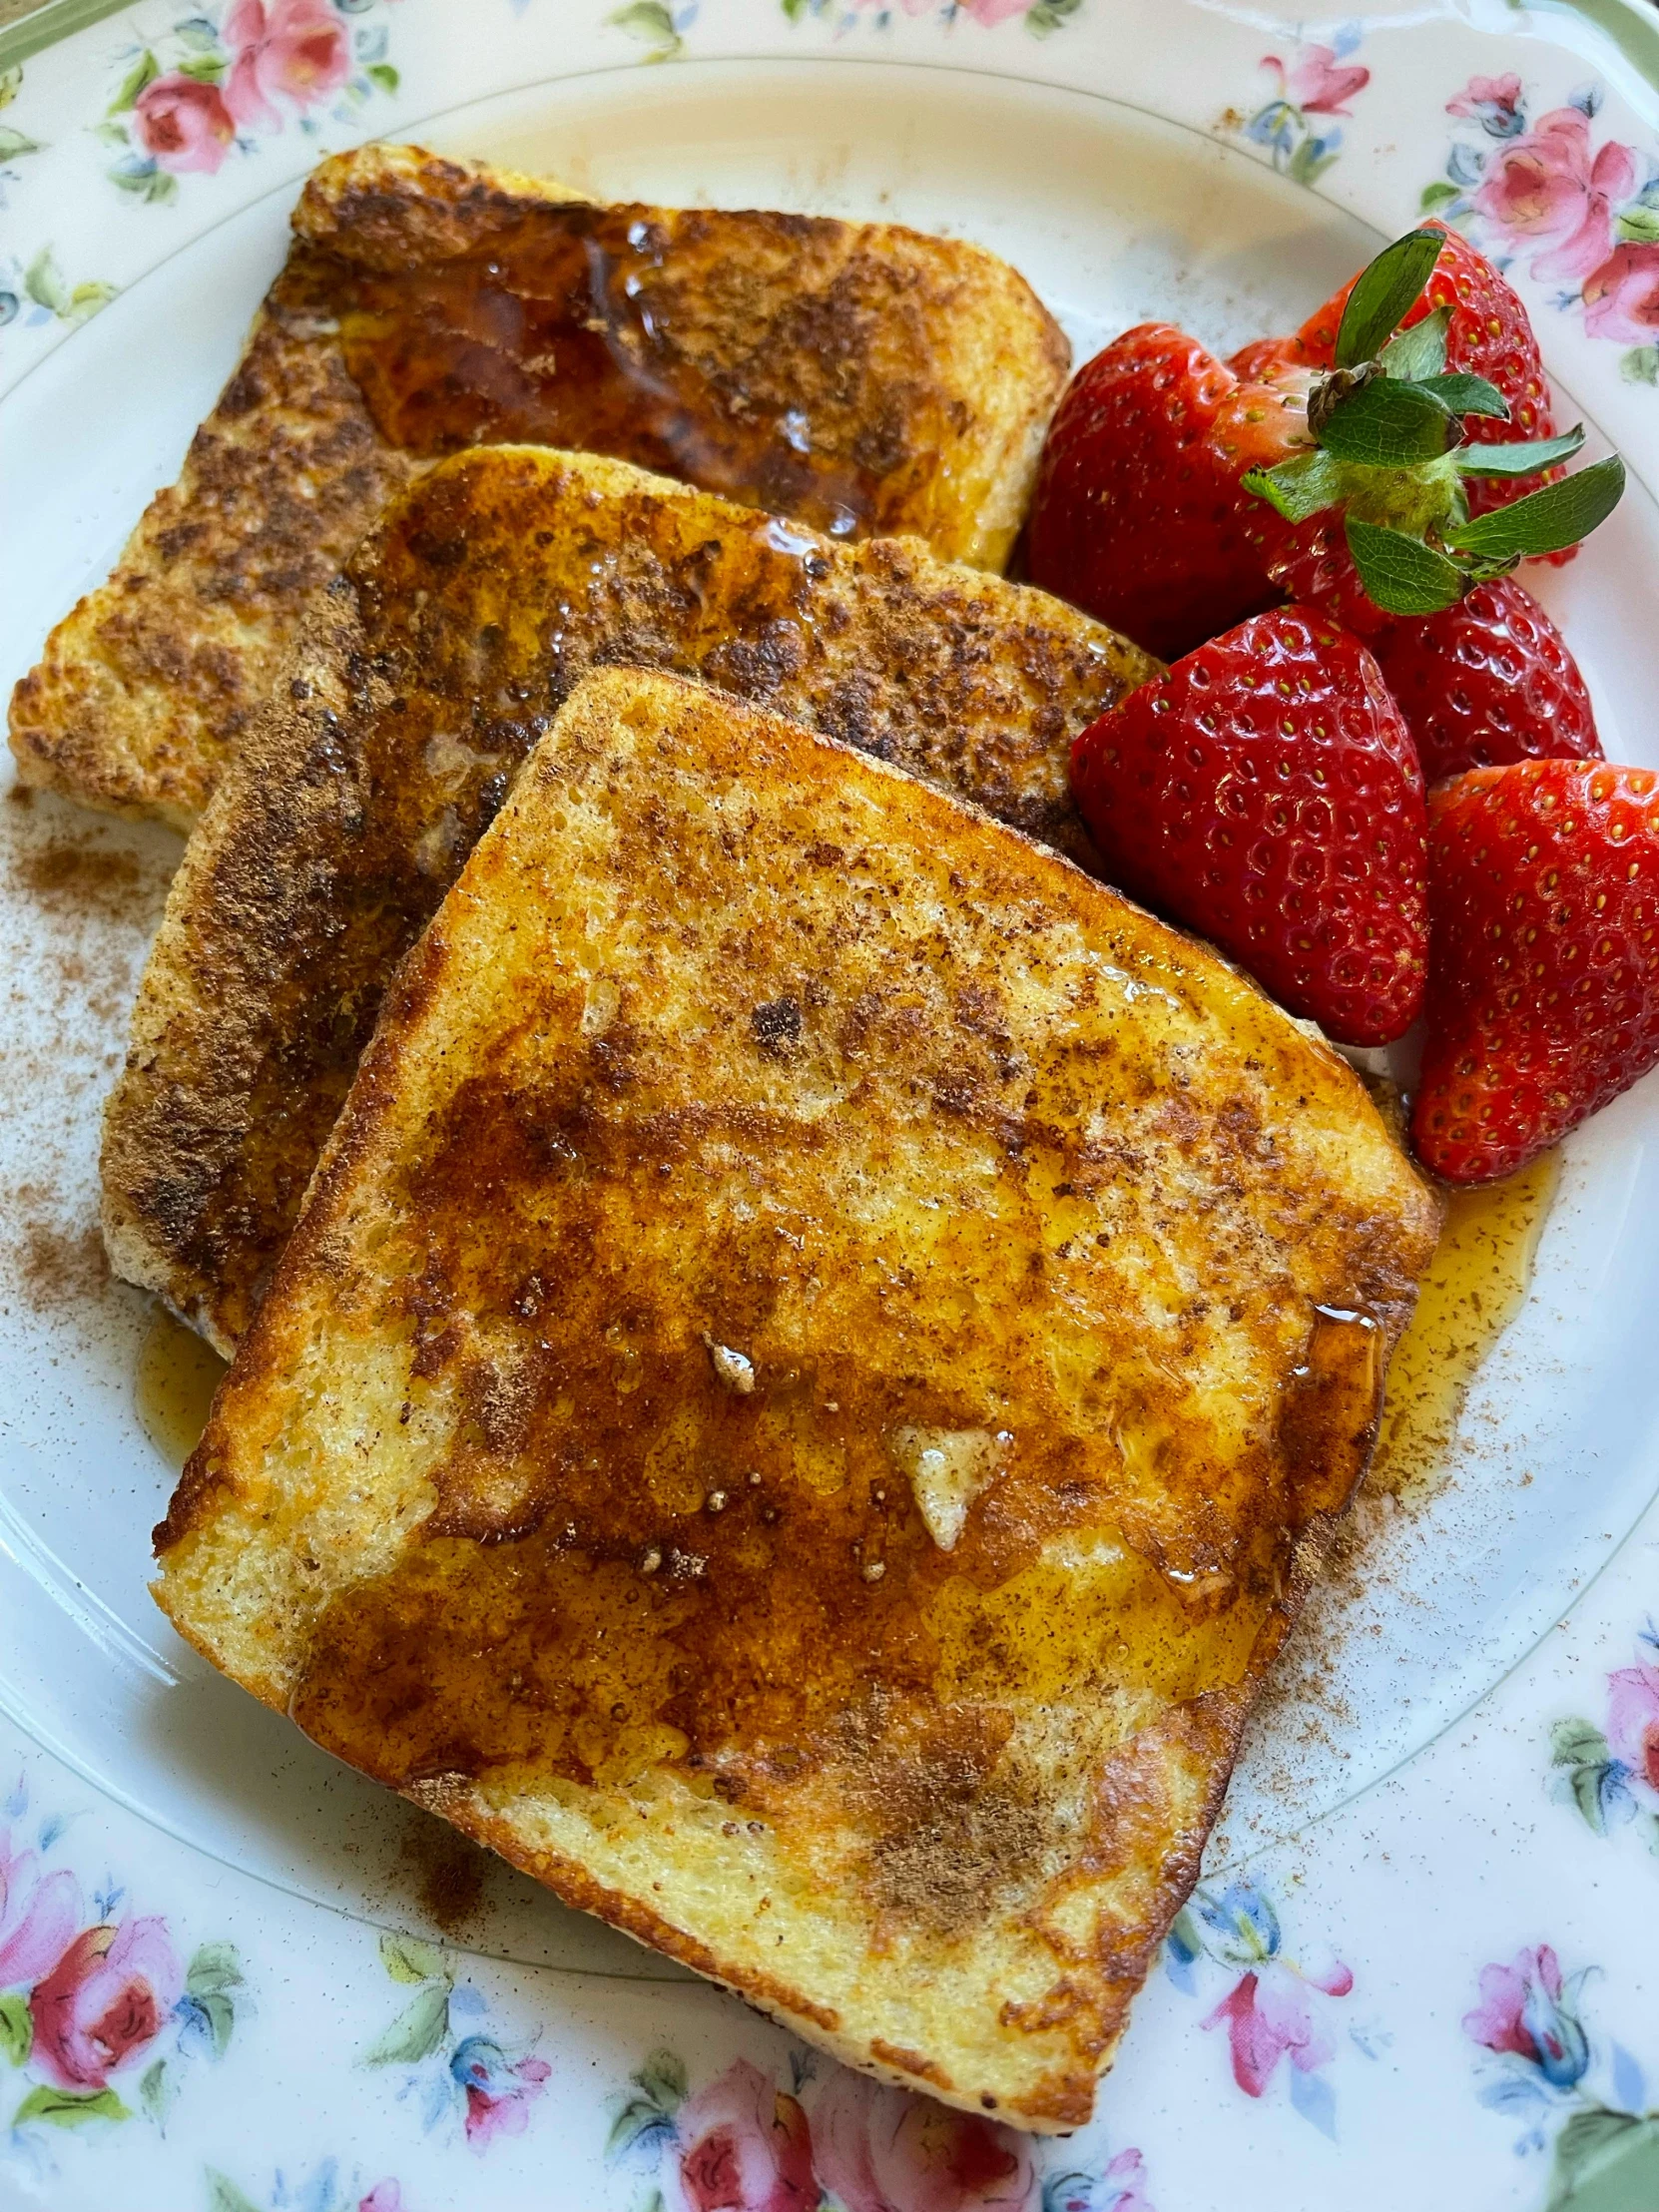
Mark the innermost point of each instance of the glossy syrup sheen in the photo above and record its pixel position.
(630, 1563)
(749, 1117)
(814, 1105)
(561, 330)
(174, 1386)
(1475, 1286)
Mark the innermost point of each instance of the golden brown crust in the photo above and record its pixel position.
(757, 1142)
(419, 682)
(917, 373)
(147, 687)
(571, 1881)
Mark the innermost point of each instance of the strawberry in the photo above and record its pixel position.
(1488, 333)
(1544, 1002)
(1138, 515)
(1268, 359)
(1177, 495)
(1487, 681)
(1310, 561)
(1264, 792)
(1392, 512)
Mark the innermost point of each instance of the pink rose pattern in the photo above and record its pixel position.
(97, 2006)
(104, 2003)
(661, 25)
(1279, 2009)
(183, 125)
(226, 76)
(461, 2074)
(293, 50)
(1574, 216)
(1541, 2064)
(326, 2188)
(1314, 84)
(745, 2143)
(885, 2151)
(1611, 1773)
(1039, 16)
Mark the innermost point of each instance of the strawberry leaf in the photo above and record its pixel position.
(1420, 353)
(1302, 486)
(1383, 295)
(1525, 459)
(1389, 424)
(1402, 575)
(1544, 521)
(1466, 394)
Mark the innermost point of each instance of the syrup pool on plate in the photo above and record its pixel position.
(1475, 1286)
(174, 1386)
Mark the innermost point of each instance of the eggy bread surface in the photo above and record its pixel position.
(810, 1384)
(863, 377)
(423, 680)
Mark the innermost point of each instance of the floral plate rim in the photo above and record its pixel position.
(337, 2050)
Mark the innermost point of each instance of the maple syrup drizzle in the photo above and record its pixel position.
(561, 330)
(174, 1386)
(1476, 1283)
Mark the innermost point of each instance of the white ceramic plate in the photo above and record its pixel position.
(271, 1985)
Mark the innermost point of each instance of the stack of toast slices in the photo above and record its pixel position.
(860, 377)
(796, 1355)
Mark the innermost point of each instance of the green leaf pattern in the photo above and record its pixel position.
(69, 2108)
(43, 282)
(652, 22)
(658, 2088)
(1607, 2162)
(408, 1958)
(17, 2029)
(416, 2032)
(224, 2196)
(143, 73)
(663, 26)
(158, 2087)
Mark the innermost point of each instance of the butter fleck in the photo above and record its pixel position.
(734, 1368)
(947, 1469)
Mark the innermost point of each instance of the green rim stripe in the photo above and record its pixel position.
(1629, 25)
(1626, 22)
(49, 24)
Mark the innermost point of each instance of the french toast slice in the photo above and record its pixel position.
(812, 1379)
(424, 678)
(860, 377)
